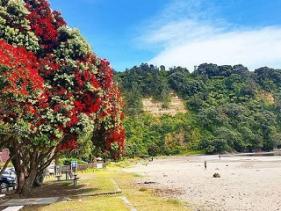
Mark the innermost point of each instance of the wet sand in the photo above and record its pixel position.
(246, 183)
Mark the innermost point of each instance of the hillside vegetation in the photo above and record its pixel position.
(230, 109)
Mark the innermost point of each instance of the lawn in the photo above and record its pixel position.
(89, 195)
(100, 203)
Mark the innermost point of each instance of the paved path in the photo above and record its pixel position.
(30, 201)
(128, 203)
(124, 198)
(15, 208)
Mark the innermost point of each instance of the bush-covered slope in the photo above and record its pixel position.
(230, 109)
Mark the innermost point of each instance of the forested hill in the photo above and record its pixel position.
(228, 108)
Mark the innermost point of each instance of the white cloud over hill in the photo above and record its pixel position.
(189, 40)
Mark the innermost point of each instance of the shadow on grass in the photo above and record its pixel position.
(59, 189)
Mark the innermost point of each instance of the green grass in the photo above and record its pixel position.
(126, 162)
(192, 152)
(101, 203)
(101, 181)
(91, 183)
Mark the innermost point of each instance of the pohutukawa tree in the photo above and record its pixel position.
(53, 90)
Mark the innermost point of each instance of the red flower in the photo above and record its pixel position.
(78, 105)
(44, 22)
(68, 145)
(22, 70)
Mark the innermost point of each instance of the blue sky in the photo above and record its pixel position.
(179, 32)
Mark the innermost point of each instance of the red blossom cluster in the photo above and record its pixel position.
(48, 61)
(19, 81)
(82, 78)
(69, 144)
(116, 135)
(21, 71)
(112, 109)
(106, 74)
(44, 22)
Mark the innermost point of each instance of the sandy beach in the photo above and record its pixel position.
(246, 183)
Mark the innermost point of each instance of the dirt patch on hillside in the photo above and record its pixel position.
(156, 108)
(267, 97)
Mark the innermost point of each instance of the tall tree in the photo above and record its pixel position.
(53, 89)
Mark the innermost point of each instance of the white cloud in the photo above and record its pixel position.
(178, 32)
(252, 48)
(190, 41)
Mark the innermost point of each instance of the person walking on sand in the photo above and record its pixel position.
(205, 164)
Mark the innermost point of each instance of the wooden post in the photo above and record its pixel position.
(75, 179)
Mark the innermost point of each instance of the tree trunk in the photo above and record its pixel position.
(28, 164)
(19, 170)
(25, 178)
(28, 183)
(20, 181)
(25, 181)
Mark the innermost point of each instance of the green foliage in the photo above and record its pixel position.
(144, 81)
(14, 26)
(72, 44)
(230, 109)
(67, 160)
(166, 135)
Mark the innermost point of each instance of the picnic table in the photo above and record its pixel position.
(69, 174)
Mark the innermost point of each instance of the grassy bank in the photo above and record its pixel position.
(93, 184)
